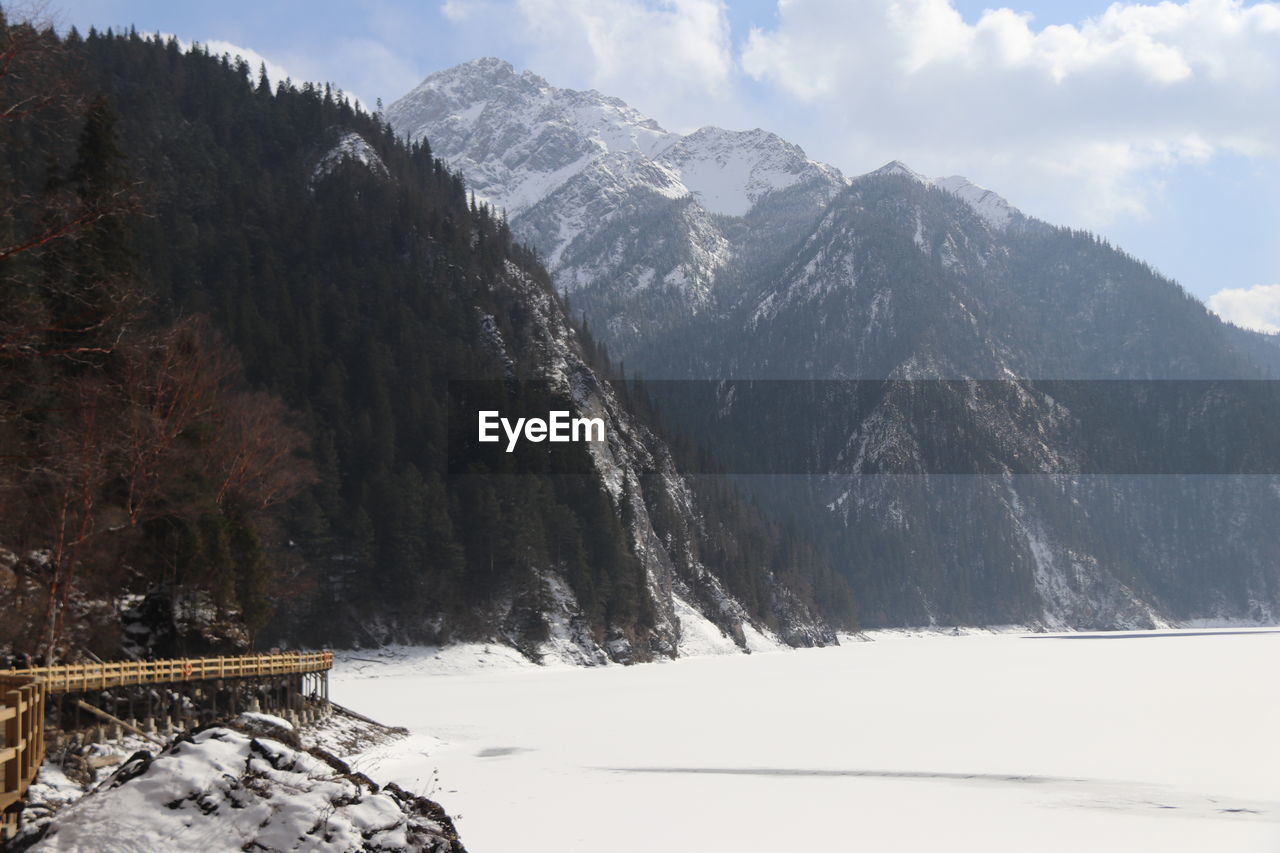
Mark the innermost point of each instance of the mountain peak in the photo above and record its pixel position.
(897, 167)
(992, 207)
(483, 64)
(485, 67)
(468, 80)
(513, 135)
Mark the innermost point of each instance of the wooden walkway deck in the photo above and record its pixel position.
(23, 692)
(79, 677)
(22, 715)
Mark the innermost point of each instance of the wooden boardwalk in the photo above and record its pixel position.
(22, 716)
(80, 677)
(23, 693)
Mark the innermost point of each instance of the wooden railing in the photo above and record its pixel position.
(23, 691)
(21, 753)
(79, 677)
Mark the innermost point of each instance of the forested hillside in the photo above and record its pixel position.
(136, 459)
(355, 279)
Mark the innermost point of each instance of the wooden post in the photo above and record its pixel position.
(116, 721)
(13, 738)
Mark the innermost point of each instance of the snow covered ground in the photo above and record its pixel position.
(251, 784)
(1141, 741)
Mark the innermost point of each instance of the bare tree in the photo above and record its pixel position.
(172, 381)
(255, 454)
(76, 467)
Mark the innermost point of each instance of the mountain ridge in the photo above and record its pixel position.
(893, 275)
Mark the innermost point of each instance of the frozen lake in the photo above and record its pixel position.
(990, 742)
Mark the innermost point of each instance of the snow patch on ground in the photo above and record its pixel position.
(397, 661)
(224, 789)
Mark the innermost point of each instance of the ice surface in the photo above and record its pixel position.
(1161, 741)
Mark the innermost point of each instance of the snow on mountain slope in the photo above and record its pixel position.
(993, 208)
(897, 167)
(990, 206)
(519, 141)
(629, 216)
(350, 147)
(635, 466)
(515, 137)
(729, 171)
(901, 280)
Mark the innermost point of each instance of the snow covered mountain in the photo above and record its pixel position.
(637, 223)
(518, 140)
(732, 254)
(903, 280)
(630, 217)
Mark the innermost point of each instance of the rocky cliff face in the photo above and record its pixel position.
(691, 602)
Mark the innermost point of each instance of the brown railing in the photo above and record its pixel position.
(23, 691)
(22, 719)
(79, 677)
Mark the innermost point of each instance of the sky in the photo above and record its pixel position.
(1152, 124)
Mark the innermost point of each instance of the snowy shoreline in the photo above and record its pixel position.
(395, 660)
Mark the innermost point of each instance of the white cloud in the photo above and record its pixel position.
(457, 10)
(368, 67)
(275, 72)
(1083, 119)
(1256, 307)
